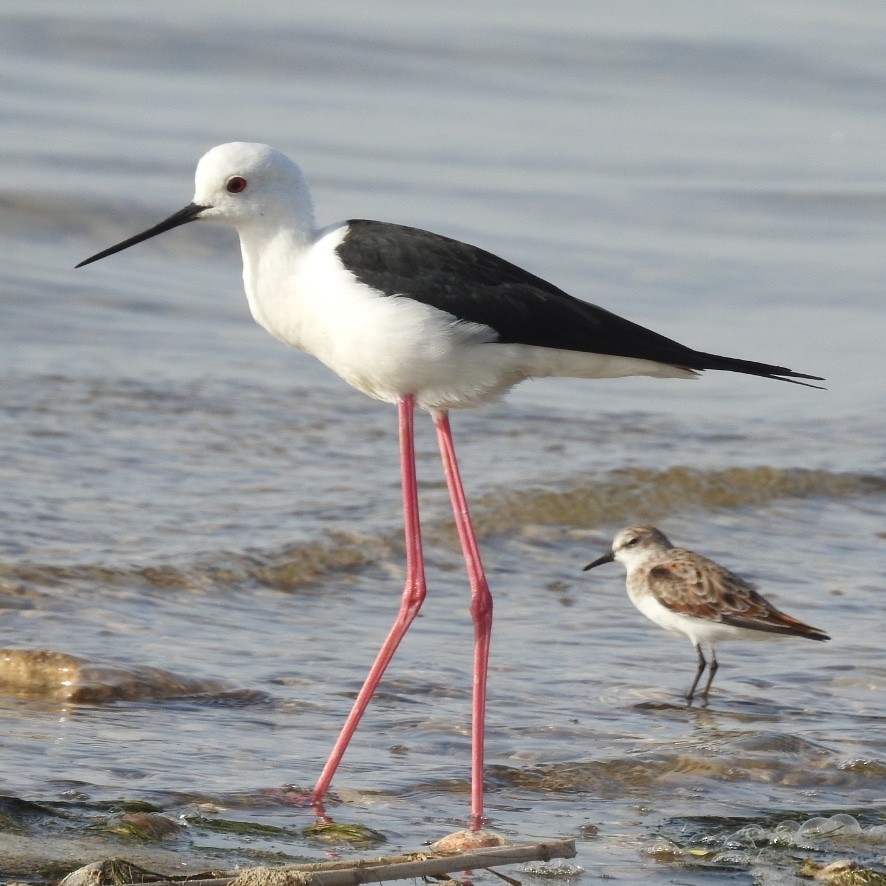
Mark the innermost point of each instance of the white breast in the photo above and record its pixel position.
(384, 346)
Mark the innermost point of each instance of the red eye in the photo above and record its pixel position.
(236, 184)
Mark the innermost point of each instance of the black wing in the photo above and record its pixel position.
(476, 286)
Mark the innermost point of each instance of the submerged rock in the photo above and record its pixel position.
(40, 673)
(464, 841)
(111, 872)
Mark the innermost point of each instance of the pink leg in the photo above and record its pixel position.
(413, 596)
(481, 612)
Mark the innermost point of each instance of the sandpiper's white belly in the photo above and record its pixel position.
(699, 630)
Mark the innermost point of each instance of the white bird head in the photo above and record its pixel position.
(633, 545)
(240, 183)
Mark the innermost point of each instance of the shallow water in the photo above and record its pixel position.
(208, 523)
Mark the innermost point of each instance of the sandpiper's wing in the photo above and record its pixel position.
(692, 585)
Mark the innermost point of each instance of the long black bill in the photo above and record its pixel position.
(183, 216)
(606, 558)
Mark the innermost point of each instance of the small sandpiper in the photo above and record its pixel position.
(689, 594)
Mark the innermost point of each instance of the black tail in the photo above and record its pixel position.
(749, 367)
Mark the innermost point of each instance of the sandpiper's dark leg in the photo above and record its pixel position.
(699, 671)
(711, 671)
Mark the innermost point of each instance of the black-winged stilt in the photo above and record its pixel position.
(417, 319)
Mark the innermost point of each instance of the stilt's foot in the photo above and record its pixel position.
(462, 841)
(319, 811)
